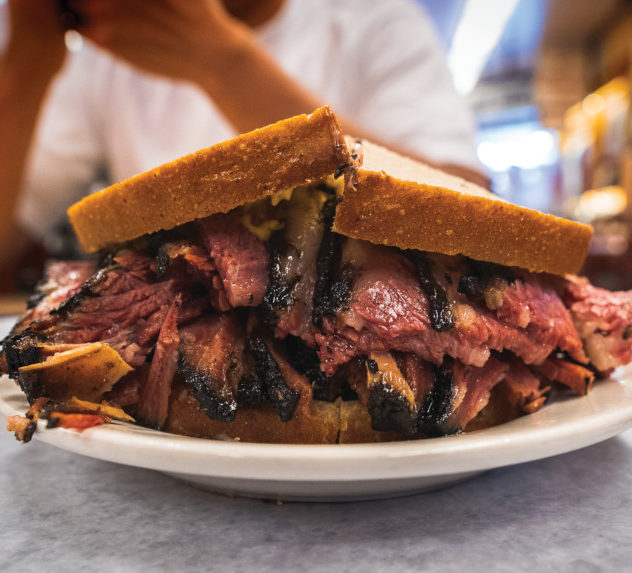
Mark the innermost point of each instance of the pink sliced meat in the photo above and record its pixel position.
(388, 311)
(61, 280)
(530, 302)
(139, 266)
(153, 405)
(522, 389)
(119, 307)
(212, 350)
(187, 260)
(575, 376)
(417, 374)
(471, 388)
(240, 257)
(604, 321)
(334, 350)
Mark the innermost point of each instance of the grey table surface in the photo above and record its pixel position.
(64, 512)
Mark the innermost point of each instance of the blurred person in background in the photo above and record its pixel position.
(161, 78)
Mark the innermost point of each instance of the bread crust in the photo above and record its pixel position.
(251, 166)
(317, 422)
(417, 207)
(413, 206)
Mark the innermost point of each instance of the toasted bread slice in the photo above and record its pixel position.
(394, 200)
(389, 199)
(318, 423)
(214, 180)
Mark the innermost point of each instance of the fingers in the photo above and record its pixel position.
(92, 12)
(160, 36)
(69, 19)
(106, 22)
(111, 22)
(41, 14)
(139, 32)
(36, 37)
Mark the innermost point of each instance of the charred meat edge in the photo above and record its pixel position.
(479, 275)
(441, 317)
(333, 288)
(214, 406)
(283, 398)
(391, 402)
(279, 293)
(217, 407)
(437, 404)
(305, 361)
(23, 350)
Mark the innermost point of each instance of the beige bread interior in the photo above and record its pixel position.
(214, 180)
(394, 200)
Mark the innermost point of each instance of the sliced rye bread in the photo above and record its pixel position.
(389, 199)
(249, 167)
(393, 200)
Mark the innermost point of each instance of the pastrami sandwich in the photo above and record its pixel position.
(290, 286)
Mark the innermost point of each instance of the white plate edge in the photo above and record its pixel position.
(472, 452)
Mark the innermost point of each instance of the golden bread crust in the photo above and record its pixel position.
(214, 180)
(339, 422)
(318, 423)
(416, 207)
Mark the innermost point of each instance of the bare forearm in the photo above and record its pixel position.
(253, 91)
(34, 54)
(248, 85)
(198, 41)
(21, 96)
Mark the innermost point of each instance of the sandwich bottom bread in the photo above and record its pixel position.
(353, 296)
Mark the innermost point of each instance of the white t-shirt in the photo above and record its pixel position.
(377, 63)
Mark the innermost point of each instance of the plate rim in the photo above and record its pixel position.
(498, 446)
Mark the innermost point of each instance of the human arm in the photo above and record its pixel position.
(34, 54)
(199, 42)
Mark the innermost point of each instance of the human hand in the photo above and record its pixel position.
(36, 37)
(181, 40)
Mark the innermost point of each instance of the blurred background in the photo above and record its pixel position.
(549, 82)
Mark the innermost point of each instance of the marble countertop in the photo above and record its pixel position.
(60, 512)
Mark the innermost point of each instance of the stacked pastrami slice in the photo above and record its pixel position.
(282, 311)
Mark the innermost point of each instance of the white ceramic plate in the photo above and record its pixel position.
(346, 472)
